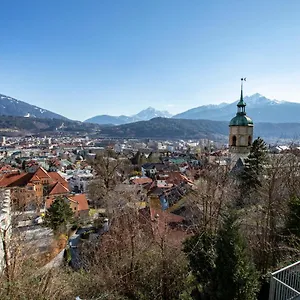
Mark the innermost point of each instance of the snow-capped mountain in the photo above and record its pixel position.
(259, 108)
(150, 113)
(144, 115)
(12, 107)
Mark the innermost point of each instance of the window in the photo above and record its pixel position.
(234, 140)
(249, 140)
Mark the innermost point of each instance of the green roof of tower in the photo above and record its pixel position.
(241, 119)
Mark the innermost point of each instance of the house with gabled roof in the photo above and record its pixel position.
(165, 225)
(56, 177)
(59, 189)
(78, 203)
(8, 169)
(43, 175)
(31, 188)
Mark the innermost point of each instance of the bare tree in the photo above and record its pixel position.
(213, 191)
(130, 263)
(265, 219)
(21, 277)
(110, 169)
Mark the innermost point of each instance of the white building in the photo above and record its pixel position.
(279, 149)
(3, 142)
(119, 148)
(5, 223)
(80, 180)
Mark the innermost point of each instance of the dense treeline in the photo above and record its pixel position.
(169, 128)
(195, 129)
(160, 128)
(36, 125)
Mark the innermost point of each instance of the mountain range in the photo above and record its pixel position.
(259, 108)
(156, 128)
(20, 126)
(13, 107)
(144, 115)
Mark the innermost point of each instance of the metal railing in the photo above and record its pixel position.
(285, 283)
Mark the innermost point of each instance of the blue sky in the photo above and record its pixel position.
(82, 58)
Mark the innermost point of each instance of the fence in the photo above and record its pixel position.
(285, 283)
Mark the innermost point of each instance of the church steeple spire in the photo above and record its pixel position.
(241, 130)
(241, 104)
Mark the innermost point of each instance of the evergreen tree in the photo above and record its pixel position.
(58, 215)
(235, 276)
(252, 174)
(292, 225)
(255, 163)
(200, 250)
(138, 159)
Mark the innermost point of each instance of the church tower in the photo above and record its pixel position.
(240, 130)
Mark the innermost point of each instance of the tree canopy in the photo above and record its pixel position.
(59, 214)
(250, 178)
(235, 276)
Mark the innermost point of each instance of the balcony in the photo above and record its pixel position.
(285, 283)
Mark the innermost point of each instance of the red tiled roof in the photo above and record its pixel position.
(165, 216)
(174, 236)
(35, 178)
(176, 178)
(6, 168)
(56, 177)
(58, 188)
(49, 201)
(13, 180)
(142, 180)
(153, 185)
(42, 173)
(81, 200)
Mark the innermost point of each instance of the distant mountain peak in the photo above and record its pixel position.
(12, 107)
(260, 100)
(150, 112)
(259, 107)
(257, 95)
(144, 115)
(150, 108)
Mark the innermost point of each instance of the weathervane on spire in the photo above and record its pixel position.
(242, 80)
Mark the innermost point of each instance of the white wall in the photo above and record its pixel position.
(5, 222)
